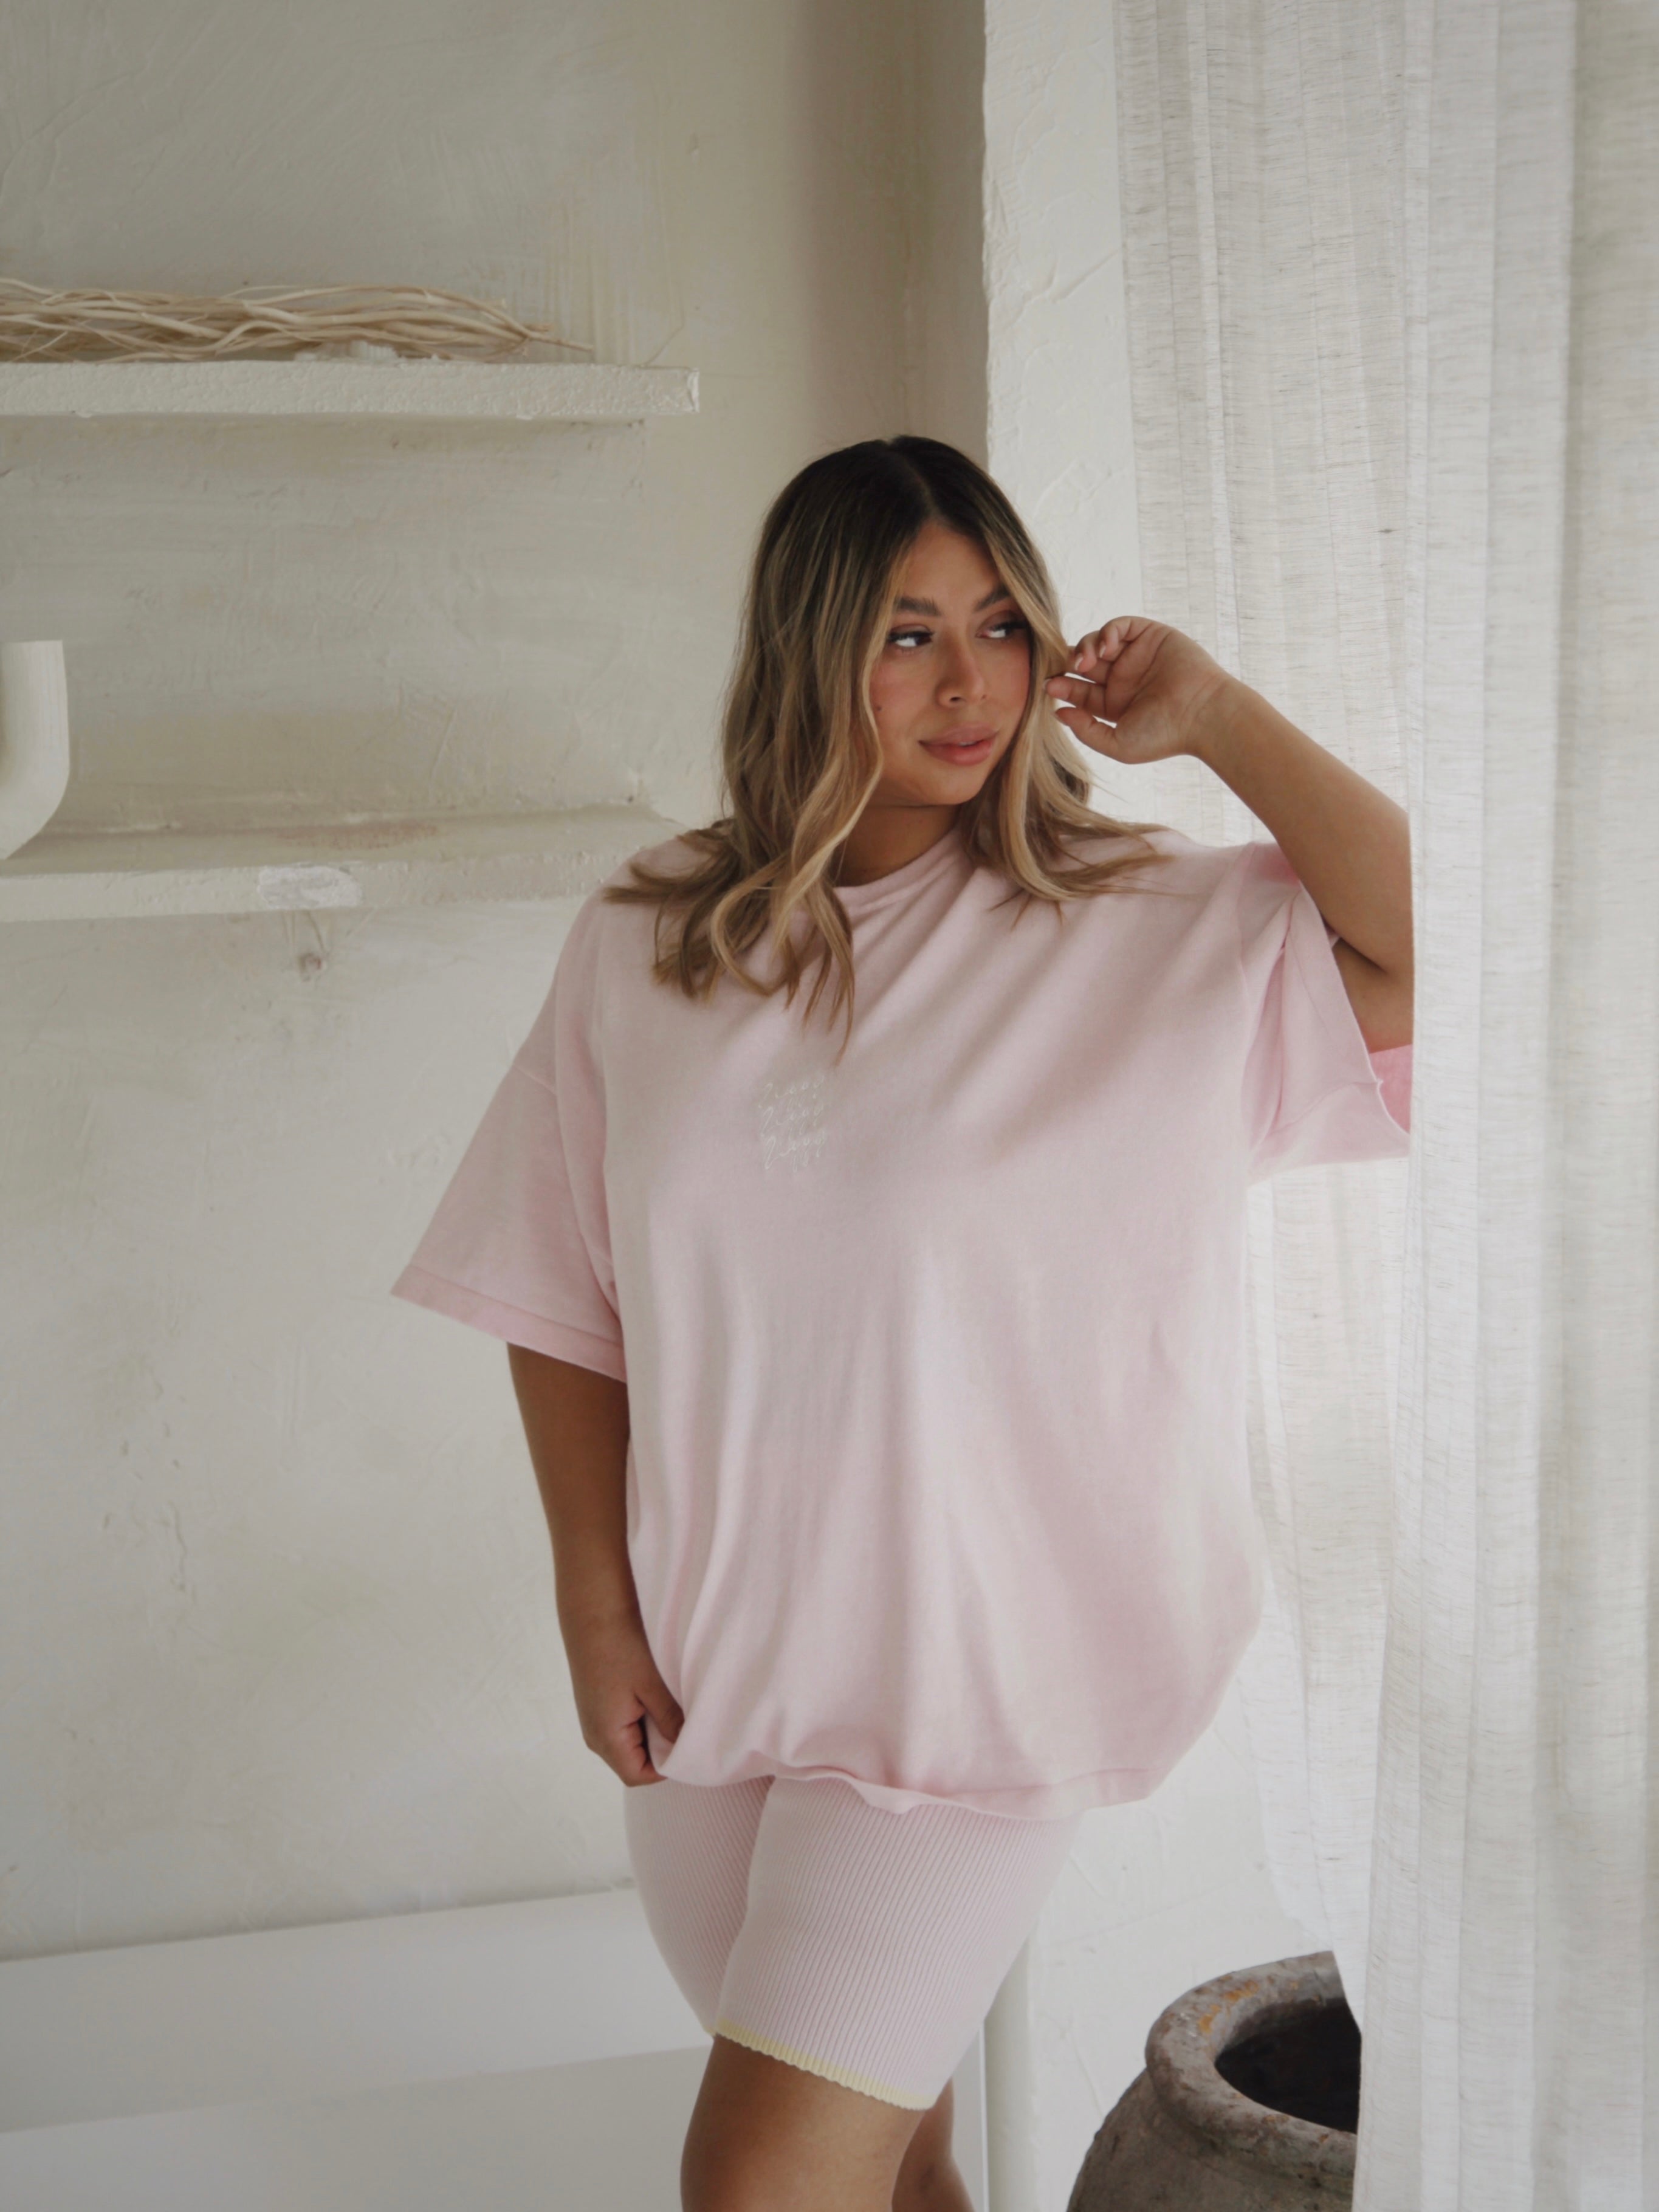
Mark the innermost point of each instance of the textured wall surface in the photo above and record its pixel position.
(279, 1631)
(276, 1611)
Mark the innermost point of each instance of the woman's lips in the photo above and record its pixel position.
(963, 746)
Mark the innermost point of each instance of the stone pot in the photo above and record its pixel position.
(1249, 2102)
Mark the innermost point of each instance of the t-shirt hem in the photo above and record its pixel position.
(1379, 1083)
(535, 1331)
(1046, 1801)
(1329, 994)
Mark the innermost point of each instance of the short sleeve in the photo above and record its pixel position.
(519, 1245)
(1312, 1093)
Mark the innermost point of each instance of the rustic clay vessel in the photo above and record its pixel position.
(1186, 2137)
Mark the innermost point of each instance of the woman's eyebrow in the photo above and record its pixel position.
(927, 607)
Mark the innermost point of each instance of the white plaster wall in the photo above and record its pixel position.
(280, 618)
(1160, 1895)
(276, 1613)
(277, 1626)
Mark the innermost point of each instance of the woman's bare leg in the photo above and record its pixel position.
(929, 2179)
(769, 2137)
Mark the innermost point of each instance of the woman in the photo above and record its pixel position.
(915, 1519)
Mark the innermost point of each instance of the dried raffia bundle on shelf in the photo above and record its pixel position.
(332, 321)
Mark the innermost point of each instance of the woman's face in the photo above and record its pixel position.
(951, 683)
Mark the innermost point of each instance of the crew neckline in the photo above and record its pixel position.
(858, 898)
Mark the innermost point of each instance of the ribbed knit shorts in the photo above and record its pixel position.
(858, 1943)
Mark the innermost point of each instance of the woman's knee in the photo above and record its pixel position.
(927, 2175)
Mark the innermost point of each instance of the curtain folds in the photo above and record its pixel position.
(1264, 275)
(1392, 283)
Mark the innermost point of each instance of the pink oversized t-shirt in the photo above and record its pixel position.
(937, 1479)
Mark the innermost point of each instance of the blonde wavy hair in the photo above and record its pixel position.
(800, 754)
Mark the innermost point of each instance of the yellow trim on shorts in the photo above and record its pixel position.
(823, 2067)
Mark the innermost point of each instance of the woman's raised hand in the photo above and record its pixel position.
(1159, 692)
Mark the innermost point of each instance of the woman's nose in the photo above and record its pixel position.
(964, 677)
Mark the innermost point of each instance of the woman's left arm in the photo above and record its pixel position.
(1141, 691)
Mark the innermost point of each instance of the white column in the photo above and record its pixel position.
(1158, 1896)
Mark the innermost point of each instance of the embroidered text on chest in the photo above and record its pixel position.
(790, 1120)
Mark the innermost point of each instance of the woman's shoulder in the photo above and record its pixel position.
(603, 929)
(1187, 884)
(601, 914)
(669, 856)
(1188, 860)
(612, 939)
(666, 856)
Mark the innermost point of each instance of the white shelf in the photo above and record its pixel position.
(439, 390)
(103, 875)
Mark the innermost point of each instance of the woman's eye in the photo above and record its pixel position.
(1005, 625)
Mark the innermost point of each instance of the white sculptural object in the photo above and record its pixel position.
(34, 749)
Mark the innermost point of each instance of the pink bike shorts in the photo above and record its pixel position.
(858, 1943)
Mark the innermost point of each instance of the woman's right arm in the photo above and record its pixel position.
(575, 1422)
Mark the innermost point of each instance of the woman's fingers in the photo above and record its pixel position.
(662, 1708)
(618, 1684)
(1099, 648)
(630, 1758)
(651, 1698)
(624, 1747)
(1077, 695)
(1082, 688)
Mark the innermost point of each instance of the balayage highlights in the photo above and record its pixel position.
(800, 753)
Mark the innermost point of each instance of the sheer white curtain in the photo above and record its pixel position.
(1393, 281)
(1265, 274)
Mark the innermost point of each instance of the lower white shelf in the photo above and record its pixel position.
(440, 859)
(528, 2057)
